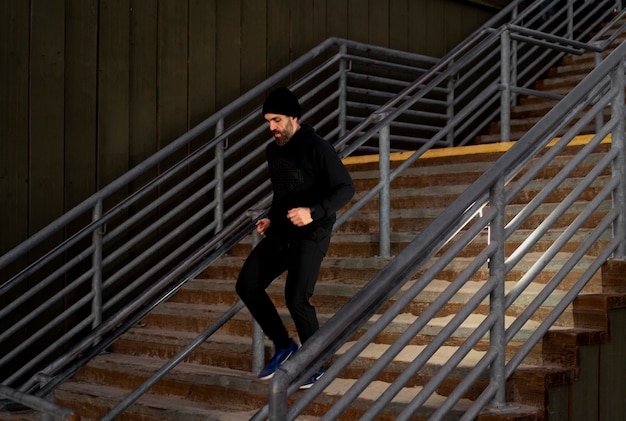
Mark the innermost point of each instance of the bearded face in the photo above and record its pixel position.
(282, 127)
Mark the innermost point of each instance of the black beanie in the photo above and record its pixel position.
(282, 101)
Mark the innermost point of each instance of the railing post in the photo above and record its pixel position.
(343, 85)
(619, 164)
(505, 88)
(497, 304)
(219, 178)
(597, 58)
(258, 337)
(384, 195)
(570, 19)
(96, 282)
(450, 109)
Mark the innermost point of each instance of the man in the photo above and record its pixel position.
(309, 185)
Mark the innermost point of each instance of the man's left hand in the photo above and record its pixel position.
(300, 216)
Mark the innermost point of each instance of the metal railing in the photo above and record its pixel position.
(144, 236)
(491, 203)
(75, 286)
(49, 410)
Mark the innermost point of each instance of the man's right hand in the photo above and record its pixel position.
(262, 225)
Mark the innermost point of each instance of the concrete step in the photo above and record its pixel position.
(189, 391)
(359, 271)
(96, 400)
(192, 392)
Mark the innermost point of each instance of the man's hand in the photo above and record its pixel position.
(300, 216)
(262, 225)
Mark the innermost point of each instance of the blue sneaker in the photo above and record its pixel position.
(315, 377)
(280, 356)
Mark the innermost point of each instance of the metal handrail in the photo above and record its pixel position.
(488, 190)
(41, 405)
(142, 240)
(416, 95)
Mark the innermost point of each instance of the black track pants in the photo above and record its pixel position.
(269, 259)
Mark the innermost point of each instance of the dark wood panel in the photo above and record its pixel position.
(46, 112)
(81, 63)
(143, 80)
(435, 27)
(96, 110)
(319, 21)
(227, 60)
(419, 39)
(14, 58)
(358, 20)
(337, 18)
(172, 71)
(399, 30)
(302, 33)
(113, 90)
(278, 35)
(202, 69)
(461, 20)
(253, 43)
(378, 28)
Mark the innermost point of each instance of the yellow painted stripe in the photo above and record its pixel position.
(461, 150)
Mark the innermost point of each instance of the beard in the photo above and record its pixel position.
(283, 136)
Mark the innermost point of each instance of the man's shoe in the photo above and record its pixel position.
(280, 356)
(315, 377)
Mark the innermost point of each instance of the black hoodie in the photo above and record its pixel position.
(306, 172)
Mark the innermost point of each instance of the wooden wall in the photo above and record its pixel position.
(90, 88)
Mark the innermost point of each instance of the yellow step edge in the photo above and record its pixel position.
(461, 150)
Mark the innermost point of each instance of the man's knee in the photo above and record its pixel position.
(245, 287)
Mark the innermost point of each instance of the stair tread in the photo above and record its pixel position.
(159, 406)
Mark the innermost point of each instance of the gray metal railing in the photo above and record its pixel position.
(98, 269)
(489, 203)
(49, 410)
(179, 222)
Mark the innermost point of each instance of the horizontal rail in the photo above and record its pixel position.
(39, 404)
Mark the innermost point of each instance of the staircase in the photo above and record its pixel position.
(529, 109)
(576, 371)
(216, 382)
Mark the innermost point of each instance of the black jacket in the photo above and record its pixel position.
(306, 172)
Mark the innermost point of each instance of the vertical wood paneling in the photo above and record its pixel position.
(113, 90)
(172, 72)
(278, 35)
(358, 20)
(378, 28)
(418, 37)
(612, 377)
(461, 20)
(319, 21)
(14, 58)
(46, 112)
(399, 30)
(302, 27)
(143, 46)
(80, 99)
(337, 18)
(435, 27)
(202, 41)
(301, 16)
(227, 59)
(111, 81)
(253, 45)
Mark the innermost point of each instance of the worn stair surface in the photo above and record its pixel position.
(559, 80)
(216, 381)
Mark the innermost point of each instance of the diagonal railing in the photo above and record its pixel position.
(179, 221)
(73, 287)
(488, 205)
